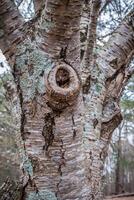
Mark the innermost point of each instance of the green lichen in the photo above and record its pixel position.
(41, 195)
(27, 165)
(1, 33)
(26, 161)
(98, 88)
(32, 63)
(41, 85)
(46, 24)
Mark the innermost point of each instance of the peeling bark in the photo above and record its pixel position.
(102, 111)
(91, 39)
(63, 131)
(52, 136)
(10, 32)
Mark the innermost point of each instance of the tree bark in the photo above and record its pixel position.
(102, 112)
(51, 124)
(64, 131)
(38, 5)
(10, 27)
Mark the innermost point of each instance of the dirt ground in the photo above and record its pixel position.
(120, 198)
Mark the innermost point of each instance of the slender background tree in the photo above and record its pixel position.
(119, 179)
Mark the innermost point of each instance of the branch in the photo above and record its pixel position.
(108, 126)
(91, 38)
(105, 5)
(119, 48)
(10, 24)
(113, 63)
(85, 17)
(59, 28)
(111, 108)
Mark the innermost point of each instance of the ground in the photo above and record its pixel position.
(121, 198)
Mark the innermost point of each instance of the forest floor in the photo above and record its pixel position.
(120, 198)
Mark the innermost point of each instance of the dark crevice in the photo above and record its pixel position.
(73, 127)
(95, 122)
(62, 163)
(48, 130)
(63, 53)
(86, 85)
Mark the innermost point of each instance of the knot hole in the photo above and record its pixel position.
(62, 78)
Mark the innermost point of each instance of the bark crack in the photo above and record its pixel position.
(48, 130)
(73, 127)
(62, 163)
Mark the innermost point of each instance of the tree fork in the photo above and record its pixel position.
(64, 129)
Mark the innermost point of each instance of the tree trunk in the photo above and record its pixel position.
(63, 129)
(118, 184)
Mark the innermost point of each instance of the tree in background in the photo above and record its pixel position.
(124, 164)
(120, 155)
(66, 101)
(8, 157)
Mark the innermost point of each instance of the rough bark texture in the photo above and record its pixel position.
(10, 24)
(102, 113)
(51, 130)
(38, 4)
(90, 41)
(10, 191)
(64, 131)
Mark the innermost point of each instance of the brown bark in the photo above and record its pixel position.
(103, 101)
(51, 125)
(91, 35)
(60, 30)
(63, 134)
(11, 24)
(90, 38)
(38, 4)
(113, 61)
(85, 17)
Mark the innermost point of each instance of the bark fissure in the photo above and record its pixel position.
(63, 129)
(73, 127)
(61, 163)
(48, 130)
